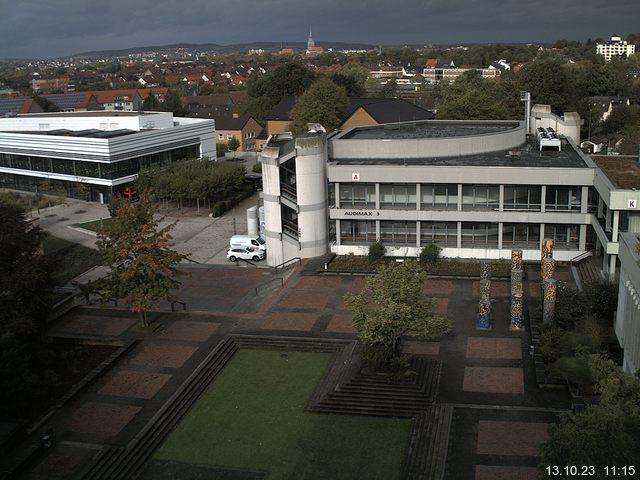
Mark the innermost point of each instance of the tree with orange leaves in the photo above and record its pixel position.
(143, 265)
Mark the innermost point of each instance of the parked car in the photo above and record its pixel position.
(245, 254)
(247, 241)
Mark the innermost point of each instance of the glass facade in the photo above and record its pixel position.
(444, 234)
(520, 235)
(563, 198)
(357, 232)
(398, 196)
(398, 233)
(522, 197)
(479, 235)
(439, 196)
(565, 237)
(480, 197)
(358, 195)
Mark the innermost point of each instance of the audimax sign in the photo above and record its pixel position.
(361, 213)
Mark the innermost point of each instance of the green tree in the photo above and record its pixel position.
(233, 144)
(172, 103)
(389, 89)
(391, 305)
(221, 149)
(549, 83)
(324, 103)
(470, 98)
(607, 432)
(143, 265)
(151, 103)
(25, 286)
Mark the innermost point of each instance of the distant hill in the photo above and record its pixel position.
(214, 47)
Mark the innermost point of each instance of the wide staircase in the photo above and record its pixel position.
(587, 267)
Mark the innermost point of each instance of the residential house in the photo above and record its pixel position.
(243, 128)
(359, 112)
(606, 104)
(615, 47)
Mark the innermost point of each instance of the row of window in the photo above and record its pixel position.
(474, 197)
(445, 234)
(109, 171)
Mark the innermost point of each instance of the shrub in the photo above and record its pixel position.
(376, 251)
(430, 253)
(218, 209)
(257, 168)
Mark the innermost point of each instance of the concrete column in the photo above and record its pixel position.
(378, 231)
(543, 198)
(541, 235)
(418, 233)
(500, 236)
(459, 245)
(501, 200)
(418, 196)
(584, 201)
(600, 206)
(459, 199)
(615, 225)
(582, 246)
(338, 235)
(612, 267)
(336, 191)
(607, 221)
(377, 196)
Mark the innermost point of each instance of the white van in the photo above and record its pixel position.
(247, 241)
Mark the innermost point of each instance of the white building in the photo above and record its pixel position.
(101, 150)
(627, 323)
(615, 47)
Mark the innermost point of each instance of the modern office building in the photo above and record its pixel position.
(615, 47)
(476, 188)
(627, 322)
(94, 154)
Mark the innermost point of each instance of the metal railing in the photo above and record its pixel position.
(288, 263)
(582, 256)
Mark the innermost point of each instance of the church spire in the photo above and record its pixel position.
(310, 42)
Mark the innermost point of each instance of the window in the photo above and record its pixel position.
(522, 197)
(357, 195)
(440, 196)
(398, 233)
(565, 237)
(444, 234)
(229, 136)
(399, 196)
(521, 235)
(221, 136)
(563, 198)
(479, 234)
(357, 232)
(480, 197)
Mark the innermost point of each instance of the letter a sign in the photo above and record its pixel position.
(632, 204)
(355, 177)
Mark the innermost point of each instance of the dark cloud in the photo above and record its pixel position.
(45, 28)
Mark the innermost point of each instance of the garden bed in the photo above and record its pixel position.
(446, 267)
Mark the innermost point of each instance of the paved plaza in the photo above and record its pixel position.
(500, 416)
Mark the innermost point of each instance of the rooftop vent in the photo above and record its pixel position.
(548, 138)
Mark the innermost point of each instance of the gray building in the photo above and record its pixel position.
(476, 188)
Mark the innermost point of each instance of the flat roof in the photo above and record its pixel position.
(90, 113)
(624, 172)
(527, 155)
(436, 129)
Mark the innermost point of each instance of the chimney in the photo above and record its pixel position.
(236, 115)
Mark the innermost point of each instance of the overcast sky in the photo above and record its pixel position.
(51, 28)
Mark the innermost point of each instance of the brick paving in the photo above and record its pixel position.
(304, 299)
(440, 305)
(60, 463)
(130, 383)
(494, 472)
(340, 323)
(491, 347)
(162, 355)
(493, 380)
(94, 325)
(101, 418)
(498, 289)
(433, 286)
(511, 438)
(291, 321)
(190, 331)
(534, 289)
(322, 283)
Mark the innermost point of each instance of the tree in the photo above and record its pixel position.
(151, 103)
(221, 149)
(389, 89)
(607, 432)
(324, 103)
(549, 83)
(143, 266)
(392, 305)
(172, 103)
(233, 144)
(25, 285)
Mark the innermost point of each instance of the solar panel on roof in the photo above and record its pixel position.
(11, 105)
(64, 102)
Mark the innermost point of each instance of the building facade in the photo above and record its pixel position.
(627, 321)
(615, 47)
(477, 189)
(93, 155)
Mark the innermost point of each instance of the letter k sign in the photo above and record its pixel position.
(632, 203)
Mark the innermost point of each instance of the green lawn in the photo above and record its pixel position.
(69, 259)
(94, 225)
(252, 417)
